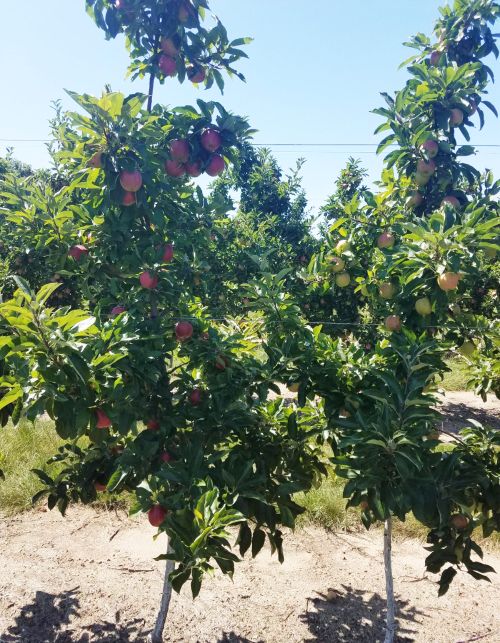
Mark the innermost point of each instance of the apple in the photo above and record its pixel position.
(431, 148)
(422, 179)
(343, 279)
(128, 199)
(215, 166)
(459, 521)
(467, 349)
(363, 505)
(451, 200)
(433, 435)
(102, 420)
(166, 457)
(179, 150)
(170, 46)
(167, 65)
(342, 246)
(221, 363)
(386, 240)
(387, 290)
(77, 252)
(393, 322)
(174, 168)
(183, 331)
(98, 486)
(153, 425)
(336, 264)
(185, 11)
(435, 58)
(148, 280)
(156, 515)
(118, 310)
(423, 306)
(96, 160)
(168, 253)
(448, 280)
(456, 117)
(131, 180)
(193, 169)
(211, 140)
(196, 74)
(195, 397)
(415, 199)
(294, 387)
(426, 167)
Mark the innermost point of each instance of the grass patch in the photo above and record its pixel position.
(457, 379)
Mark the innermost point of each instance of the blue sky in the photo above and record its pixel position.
(315, 70)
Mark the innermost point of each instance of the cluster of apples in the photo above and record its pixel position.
(338, 264)
(169, 58)
(182, 160)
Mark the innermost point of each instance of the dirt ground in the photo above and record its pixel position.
(91, 577)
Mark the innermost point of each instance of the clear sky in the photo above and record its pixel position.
(316, 69)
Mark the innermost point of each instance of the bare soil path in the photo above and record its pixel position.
(91, 578)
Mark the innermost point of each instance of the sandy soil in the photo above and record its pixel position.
(92, 577)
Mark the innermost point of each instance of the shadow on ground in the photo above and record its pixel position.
(456, 414)
(356, 615)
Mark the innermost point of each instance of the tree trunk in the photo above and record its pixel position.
(389, 584)
(157, 633)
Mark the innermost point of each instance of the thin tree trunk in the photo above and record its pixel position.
(389, 584)
(157, 633)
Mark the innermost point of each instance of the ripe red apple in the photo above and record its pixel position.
(195, 397)
(102, 420)
(131, 180)
(179, 150)
(222, 362)
(185, 11)
(174, 169)
(215, 166)
(157, 515)
(423, 306)
(386, 240)
(96, 160)
(431, 148)
(168, 253)
(77, 252)
(451, 200)
(336, 264)
(422, 179)
(211, 140)
(456, 117)
(128, 199)
(153, 425)
(170, 46)
(435, 58)
(196, 74)
(426, 167)
(183, 330)
(166, 457)
(117, 310)
(415, 199)
(387, 290)
(98, 486)
(148, 280)
(448, 281)
(343, 279)
(167, 65)
(459, 521)
(393, 322)
(193, 169)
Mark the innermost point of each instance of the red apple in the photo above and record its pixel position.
(386, 240)
(456, 117)
(166, 457)
(183, 330)
(77, 252)
(153, 425)
(426, 167)
(131, 180)
(431, 148)
(96, 160)
(193, 169)
(211, 140)
(221, 363)
(435, 58)
(170, 46)
(148, 280)
(168, 253)
(102, 420)
(415, 199)
(393, 322)
(387, 290)
(215, 166)
(157, 515)
(118, 310)
(451, 200)
(98, 486)
(128, 199)
(459, 521)
(174, 169)
(196, 74)
(179, 150)
(422, 179)
(167, 65)
(195, 397)
(448, 281)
